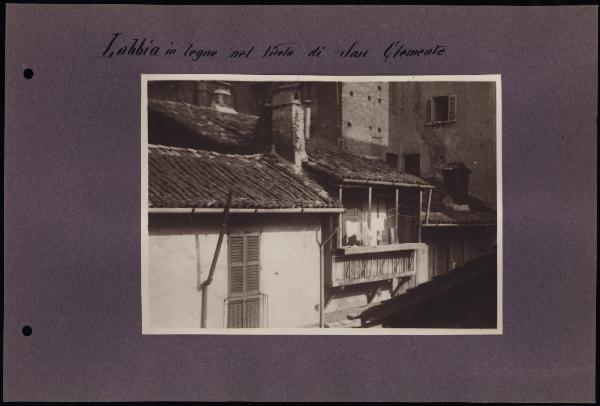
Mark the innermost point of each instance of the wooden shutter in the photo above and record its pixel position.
(452, 108)
(235, 313)
(244, 307)
(252, 312)
(236, 265)
(252, 264)
(428, 111)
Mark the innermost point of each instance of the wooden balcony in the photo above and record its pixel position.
(355, 265)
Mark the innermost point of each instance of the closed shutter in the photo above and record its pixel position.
(244, 302)
(252, 264)
(452, 108)
(252, 312)
(428, 118)
(235, 312)
(236, 265)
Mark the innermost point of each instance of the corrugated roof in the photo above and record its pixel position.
(212, 128)
(188, 178)
(339, 165)
(479, 213)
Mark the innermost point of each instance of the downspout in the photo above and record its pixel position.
(213, 265)
(322, 276)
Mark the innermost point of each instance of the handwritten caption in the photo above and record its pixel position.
(120, 46)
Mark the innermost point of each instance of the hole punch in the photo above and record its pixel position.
(27, 330)
(28, 73)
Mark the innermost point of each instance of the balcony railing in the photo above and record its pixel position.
(246, 311)
(354, 265)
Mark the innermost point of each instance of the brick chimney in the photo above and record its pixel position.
(221, 98)
(288, 122)
(456, 183)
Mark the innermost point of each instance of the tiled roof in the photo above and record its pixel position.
(338, 165)
(479, 213)
(242, 133)
(188, 178)
(212, 128)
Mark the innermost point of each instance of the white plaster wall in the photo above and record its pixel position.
(289, 271)
(290, 276)
(173, 298)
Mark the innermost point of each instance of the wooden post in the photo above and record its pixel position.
(419, 212)
(428, 207)
(330, 229)
(396, 222)
(340, 221)
(370, 205)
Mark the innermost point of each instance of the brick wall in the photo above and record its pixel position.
(365, 117)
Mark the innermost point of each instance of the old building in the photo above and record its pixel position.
(315, 231)
(267, 272)
(433, 124)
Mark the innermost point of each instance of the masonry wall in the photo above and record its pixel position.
(181, 250)
(184, 91)
(471, 139)
(365, 117)
(325, 112)
(248, 97)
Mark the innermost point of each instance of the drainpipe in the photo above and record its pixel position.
(322, 275)
(204, 285)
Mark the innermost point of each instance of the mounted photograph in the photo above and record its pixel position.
(321, 204)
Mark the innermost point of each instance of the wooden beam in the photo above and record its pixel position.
(370, 206)
(419, 212)
(331, 230)
(397, 234)
(428, 207)
(340, 221)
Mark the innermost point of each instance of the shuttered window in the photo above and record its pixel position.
(244, 300)
(441, 110)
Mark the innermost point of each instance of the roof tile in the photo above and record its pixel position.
(188, 178)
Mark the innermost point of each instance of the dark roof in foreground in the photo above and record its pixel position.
(338, 165)
(480, 213)
(211, 128)
(462, 298)
(188, 178)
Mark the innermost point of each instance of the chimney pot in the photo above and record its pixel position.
(221, 98)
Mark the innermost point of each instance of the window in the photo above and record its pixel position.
(440, 110)
(392, 160)
(412, 164)
(244, 300)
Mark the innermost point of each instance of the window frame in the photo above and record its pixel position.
(244, 297)
(430, 109)
(244, 263)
